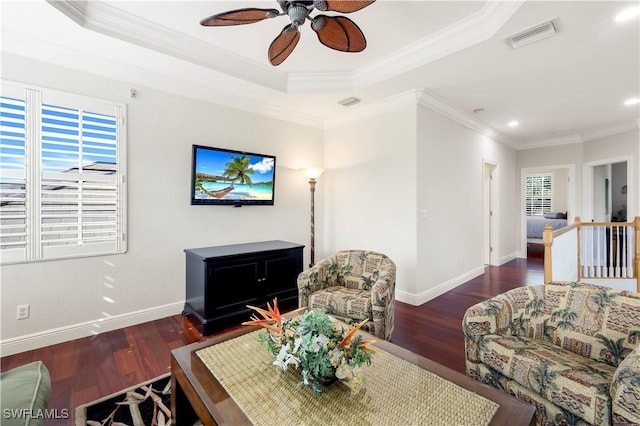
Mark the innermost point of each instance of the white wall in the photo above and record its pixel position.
(614, 148)
(450, 235)
(408, 183)
(554, 158)
(617, 146)
(66, 296)
(370, 187)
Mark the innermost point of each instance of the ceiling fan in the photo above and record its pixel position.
(337, 32)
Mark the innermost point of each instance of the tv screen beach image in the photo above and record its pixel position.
(230, 175)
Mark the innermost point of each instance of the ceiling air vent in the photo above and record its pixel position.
(535, 33)
(349, 101)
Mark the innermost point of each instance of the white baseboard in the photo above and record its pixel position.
(54, 336)
(509, 258)
(432, 293)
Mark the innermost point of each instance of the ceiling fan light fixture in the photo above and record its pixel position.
(336, 32)
(318, 23)
(297, 14)
(320, 5)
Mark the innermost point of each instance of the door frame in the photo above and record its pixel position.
(587, 185)
(571, 197)
(489, 211)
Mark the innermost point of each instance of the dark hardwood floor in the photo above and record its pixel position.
(87, 369)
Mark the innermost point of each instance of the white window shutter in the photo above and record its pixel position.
(74, 194)
(13, 214)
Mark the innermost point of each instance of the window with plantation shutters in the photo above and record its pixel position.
(539, 194)
(63, 192)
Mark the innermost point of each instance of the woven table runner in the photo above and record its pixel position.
(395, 391)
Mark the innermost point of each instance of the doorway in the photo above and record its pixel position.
(607, 194)
(562, 201)
(489, 208)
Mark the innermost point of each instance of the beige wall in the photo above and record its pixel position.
(451, 238)
(147, 282)
(370, 189)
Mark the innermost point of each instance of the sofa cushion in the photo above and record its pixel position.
(343, 302)
(625, 398)
(25, 394)
(596, 322)
(571, 381)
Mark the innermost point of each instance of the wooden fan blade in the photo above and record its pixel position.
(282, 46)
(342, 6)
(239, 17)
(339, 33)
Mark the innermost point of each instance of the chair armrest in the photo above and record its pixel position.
(625, 399)
(503, 314)
(383, 302)
(322, 275)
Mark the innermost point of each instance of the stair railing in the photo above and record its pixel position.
(608, 250)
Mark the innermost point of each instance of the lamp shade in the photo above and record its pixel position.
(313, 173)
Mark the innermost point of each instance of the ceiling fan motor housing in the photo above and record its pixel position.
(298, 14)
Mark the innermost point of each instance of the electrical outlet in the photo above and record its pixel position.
(23, 312)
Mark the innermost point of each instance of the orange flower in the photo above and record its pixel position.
(351, 333)
(364, 343)
(270, 315)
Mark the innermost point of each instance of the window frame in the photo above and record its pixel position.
(539, 198)
(83, 185)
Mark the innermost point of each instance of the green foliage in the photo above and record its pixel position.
(311, 342)
(238, 170)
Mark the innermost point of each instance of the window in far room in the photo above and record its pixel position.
(539, 194)
(62, 175)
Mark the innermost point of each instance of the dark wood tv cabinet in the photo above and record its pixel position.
(221, 281)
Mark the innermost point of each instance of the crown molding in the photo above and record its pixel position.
(320, 82)
(360, 111)
(545, 143)
(426, 99)
(17, 44)
(471, 30)
(576, 138)
(433, 102)
(102, 18)
(621, 128)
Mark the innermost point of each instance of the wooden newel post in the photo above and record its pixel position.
(547, 239)
(636, 258)
(577, 222)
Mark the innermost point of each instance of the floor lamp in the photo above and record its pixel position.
(313, 175)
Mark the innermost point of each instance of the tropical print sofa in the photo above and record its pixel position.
(570, 349)
(352, 285)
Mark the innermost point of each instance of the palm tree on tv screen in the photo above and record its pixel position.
(238, 170)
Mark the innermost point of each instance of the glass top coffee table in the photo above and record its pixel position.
(228, 380)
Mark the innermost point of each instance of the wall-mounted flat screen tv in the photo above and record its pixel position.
(228, 177)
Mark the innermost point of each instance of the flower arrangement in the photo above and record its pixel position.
(315, 343)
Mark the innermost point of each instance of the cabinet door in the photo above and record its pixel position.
(281, 273)
(232, 286)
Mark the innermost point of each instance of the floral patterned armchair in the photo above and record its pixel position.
(351, 286)
(570, 349)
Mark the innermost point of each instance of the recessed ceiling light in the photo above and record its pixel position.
(513, 123)
(627, 14)
(632, 101)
